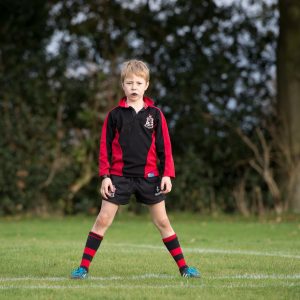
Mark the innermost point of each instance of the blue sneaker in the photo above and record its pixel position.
(79, 273)
(190, 272)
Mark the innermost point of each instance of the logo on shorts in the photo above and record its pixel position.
(158, 191)
(149, 122)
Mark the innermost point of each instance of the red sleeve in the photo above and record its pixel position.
(164, 148)
(106, 139)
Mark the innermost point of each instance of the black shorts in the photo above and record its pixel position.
(146, 190)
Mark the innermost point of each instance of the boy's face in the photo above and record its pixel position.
(134, 87)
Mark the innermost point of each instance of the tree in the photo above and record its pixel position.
(288, 81)
(211, 66)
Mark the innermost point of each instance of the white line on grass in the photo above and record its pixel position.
(258, 276)
(158, 276)
(209, 250)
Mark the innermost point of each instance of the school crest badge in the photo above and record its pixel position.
(149, 122)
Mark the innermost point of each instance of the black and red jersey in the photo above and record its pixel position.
(132, 143)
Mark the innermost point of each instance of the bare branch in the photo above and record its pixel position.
(265, 148)
(56, 164)
(251, 145)
(256, 167)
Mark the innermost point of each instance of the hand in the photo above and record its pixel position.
(107, 188)
(166, 185)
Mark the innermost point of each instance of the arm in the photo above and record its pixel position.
(107, 136)
(164, 148)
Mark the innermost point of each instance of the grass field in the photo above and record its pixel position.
(238, 259)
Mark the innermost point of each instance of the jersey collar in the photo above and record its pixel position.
(147, 102)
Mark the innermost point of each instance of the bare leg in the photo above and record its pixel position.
(160, 219)
(103, 221)
(105, 217)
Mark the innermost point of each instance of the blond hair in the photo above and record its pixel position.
(136, 67)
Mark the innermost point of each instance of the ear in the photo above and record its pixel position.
(147, 85)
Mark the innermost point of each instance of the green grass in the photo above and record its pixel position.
(238, 259)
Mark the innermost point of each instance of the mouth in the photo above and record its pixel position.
(134, 94)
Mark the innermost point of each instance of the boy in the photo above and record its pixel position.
(134, 136)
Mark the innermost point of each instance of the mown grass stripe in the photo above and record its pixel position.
(147, 286)
(134, 277)
(158, 276)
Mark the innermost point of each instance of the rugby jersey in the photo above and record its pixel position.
(135, 144)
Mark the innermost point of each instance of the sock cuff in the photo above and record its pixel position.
(170, 238)
(95, 235)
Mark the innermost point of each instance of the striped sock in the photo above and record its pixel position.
(174, 248)
(92, 244)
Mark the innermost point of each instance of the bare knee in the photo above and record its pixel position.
(103, 220)
(162, 224)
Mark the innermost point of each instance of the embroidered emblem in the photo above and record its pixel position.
(158, 191)
(149, 122)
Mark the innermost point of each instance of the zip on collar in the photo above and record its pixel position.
(147, 102)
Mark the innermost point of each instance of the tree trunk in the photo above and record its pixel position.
(288, 84)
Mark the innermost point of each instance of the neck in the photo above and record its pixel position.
(137, 105)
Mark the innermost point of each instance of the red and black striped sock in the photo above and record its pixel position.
(92, 244)
(174, 248)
